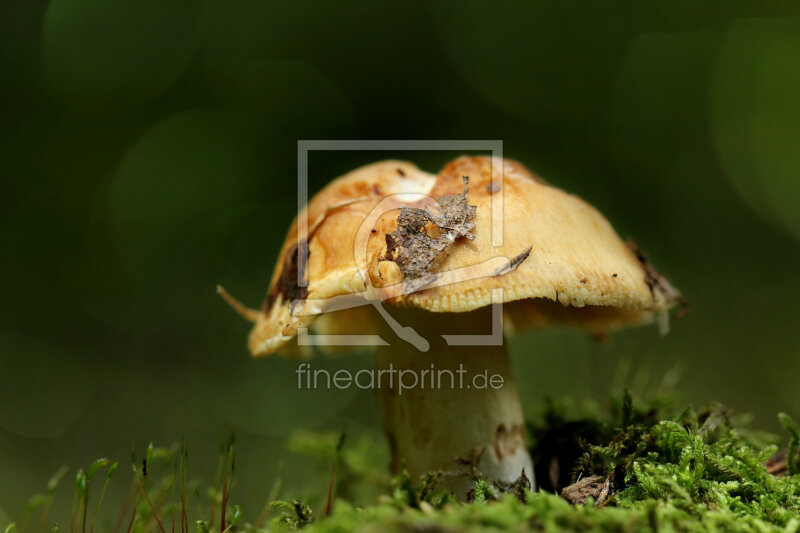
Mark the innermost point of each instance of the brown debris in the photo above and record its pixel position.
(583, 489)
(521, 487)
(472, 460)
(457, 215)
(514, 263)
(656, 282)
(413, 246)
(410, 245)
(778, 463)
(604, 493)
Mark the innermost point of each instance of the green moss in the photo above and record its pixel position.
(687, 471)
(693, 471)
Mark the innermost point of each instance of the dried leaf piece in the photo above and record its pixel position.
(458, 217)
(514, 263)
(410, 245)
(415, 250)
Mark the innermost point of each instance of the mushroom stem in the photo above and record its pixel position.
(453, 409)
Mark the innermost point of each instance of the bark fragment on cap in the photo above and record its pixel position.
(421, 236)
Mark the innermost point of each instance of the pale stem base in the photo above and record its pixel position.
(457, 419)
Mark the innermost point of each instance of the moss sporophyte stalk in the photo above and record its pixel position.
(640, 469)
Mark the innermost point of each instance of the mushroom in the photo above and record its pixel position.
(428, 248)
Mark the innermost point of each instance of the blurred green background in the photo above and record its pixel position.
(148, 152)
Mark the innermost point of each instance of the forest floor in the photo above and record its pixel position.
(639, 468)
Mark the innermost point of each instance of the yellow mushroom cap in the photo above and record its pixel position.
(553, 248)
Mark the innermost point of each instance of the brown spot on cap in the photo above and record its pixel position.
(294, 270)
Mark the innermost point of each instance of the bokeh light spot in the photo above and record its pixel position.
(535, 60)
(657, 112)
(179, 174)
(118, 53)
(755, 116)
